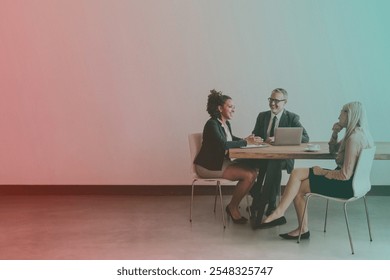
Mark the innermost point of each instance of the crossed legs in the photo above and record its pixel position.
(297, 187)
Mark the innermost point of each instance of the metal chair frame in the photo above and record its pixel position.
(195, 142)
(360, 184)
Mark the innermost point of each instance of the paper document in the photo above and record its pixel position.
(254, 146)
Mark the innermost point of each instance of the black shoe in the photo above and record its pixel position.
(305, 235)
(274, 223)
(241, 220)
(270, 209)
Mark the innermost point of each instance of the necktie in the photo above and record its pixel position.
(272, 131)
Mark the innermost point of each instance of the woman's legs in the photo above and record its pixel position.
(299, 204)
(246, 177)
(297, 187)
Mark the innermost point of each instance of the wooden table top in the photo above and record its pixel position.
(299, 152)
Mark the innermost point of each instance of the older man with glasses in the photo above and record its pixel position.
(270, 171)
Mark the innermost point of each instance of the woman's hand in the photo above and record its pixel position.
(254, 140)
(319, 171)
(337, 128)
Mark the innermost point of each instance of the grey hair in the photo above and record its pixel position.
(282, 91)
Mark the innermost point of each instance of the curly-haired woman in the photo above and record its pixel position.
(213, 159)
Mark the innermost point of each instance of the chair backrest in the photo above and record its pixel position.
(361, 183)
(195, 141)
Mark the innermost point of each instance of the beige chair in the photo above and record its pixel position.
(195, 141)
(361, 185)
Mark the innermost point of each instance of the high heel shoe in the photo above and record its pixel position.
(305, 235)
(241, 220)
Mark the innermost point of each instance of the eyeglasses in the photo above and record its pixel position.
(276, 101)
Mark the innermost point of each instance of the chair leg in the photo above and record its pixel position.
(192, 198)
(280, 194)
(216, 194)
(326, 214)
(222, 206)
(349, 233)
(368, 219)
(248, 205)
(303, 216)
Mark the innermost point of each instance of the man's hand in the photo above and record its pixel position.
(270, 140)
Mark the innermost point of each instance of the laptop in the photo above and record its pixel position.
(285, 136)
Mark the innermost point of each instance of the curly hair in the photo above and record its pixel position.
(215, 99)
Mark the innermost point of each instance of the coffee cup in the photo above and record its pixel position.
(313, 147)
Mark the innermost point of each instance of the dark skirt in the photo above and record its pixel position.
(330, 187)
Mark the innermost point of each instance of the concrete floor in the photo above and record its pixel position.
(104, 227)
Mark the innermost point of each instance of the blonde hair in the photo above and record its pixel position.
(357, 119)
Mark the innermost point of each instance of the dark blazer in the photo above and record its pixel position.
(215, 144)
(288, 119)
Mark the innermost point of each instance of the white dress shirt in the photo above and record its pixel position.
(278, 116)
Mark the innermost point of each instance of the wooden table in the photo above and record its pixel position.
(298, 152)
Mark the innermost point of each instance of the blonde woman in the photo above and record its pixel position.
(336, 182)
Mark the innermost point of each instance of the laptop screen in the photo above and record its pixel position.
(288, 135)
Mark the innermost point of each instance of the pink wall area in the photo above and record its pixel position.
(81, 101)
(106, 92)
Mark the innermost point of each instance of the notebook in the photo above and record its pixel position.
(254, 146)
(288, 136)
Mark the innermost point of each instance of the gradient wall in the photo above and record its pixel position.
(106, 92)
